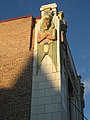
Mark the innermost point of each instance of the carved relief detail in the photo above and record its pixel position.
(46, 37)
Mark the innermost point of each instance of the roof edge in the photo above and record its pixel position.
(11, 19)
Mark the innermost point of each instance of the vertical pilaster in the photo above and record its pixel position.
(46, 83)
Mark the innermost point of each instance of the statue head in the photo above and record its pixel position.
(46, 22)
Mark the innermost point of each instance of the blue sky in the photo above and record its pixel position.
(77, 14)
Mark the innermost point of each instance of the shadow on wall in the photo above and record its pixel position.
(15, 101)
(46, 95)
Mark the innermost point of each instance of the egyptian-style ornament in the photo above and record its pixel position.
(47, 38)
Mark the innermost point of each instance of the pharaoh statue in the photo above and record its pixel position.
(46, 38)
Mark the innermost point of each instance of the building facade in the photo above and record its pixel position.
(38, 78)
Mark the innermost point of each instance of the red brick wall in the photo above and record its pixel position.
(16, 68)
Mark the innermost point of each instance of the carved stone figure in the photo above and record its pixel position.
(46, 39)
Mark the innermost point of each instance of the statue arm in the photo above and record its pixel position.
(52, 35)
(41, 37)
